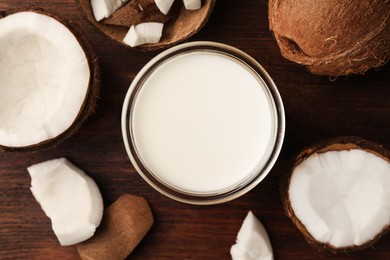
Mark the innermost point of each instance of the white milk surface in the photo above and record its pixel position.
(203, 122)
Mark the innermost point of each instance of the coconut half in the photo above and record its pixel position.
(49, 80)
(186, 24)
(337, 194)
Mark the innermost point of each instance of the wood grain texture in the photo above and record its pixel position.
(316, 108)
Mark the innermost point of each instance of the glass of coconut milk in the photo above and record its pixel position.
(203, 123)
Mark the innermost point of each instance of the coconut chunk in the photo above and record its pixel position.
(44, 75)
(125, 223)
(192, 4)
(164, 5)
(105, 8)
(252, 241)
(69, 197)
(144, 33)
(337, 194)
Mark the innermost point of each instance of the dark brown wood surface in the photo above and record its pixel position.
(316, 108)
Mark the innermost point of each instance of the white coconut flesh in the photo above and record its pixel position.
(164, 5)
(342, 197)
(105, 8)
(44, 78)
(143, 33)
(192, 4)
(69, 197)
(252, 241)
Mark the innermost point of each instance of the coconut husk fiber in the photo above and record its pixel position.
(332, 37)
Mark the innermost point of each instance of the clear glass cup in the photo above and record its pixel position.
(252, 178)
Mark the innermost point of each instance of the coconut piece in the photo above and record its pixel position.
(69, 197)
(124, 225)
(50, 80)
(136, 12)
(164, 5)
(337, 194)
(185, 25)
(105, 8)
(332, 37)
(252, 241)
(192, 4)
(144, 33)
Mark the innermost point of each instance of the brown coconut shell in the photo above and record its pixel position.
(124, 225)
(91, 96)
(176, 30)
(332, 37)
(335, 144)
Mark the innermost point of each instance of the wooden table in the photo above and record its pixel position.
(316, 108)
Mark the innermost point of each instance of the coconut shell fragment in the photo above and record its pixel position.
(124, 224)
(336, 194)
(185, 24)
(332, 37)
(138, 11)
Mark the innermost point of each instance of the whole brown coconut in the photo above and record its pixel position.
(338, 144)
(332, 37)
